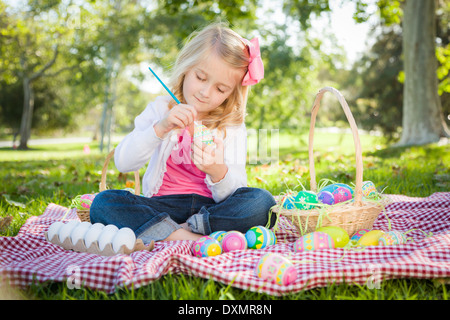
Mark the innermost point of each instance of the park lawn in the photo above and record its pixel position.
(30, 180)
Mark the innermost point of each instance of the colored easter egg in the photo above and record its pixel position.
(206, 247)
(218, 235)
(273, 238)
(233, 240)
(369, 189)
(305, 200)
(341, 194)
(314, 241)
(258, 237)
(326, 197)
(276, 268)
(359, 234)
(391, 238)
(86, 200)
(288, 200)
(332, 187)
(371, 238)
(339, 235)
(203, 133)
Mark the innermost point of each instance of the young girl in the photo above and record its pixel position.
(191, 188)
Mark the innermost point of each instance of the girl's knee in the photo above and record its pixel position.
(102, 203)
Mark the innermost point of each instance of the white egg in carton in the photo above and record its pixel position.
(95, 238)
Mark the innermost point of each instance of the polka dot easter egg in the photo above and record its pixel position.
(276, 268)
(258, 237)
(314, 241)
(233, 240)
(305, 200)
(342, 194)
(203, 133)
(359, 234)
(392, 238)
(206, 247)
(369, 190)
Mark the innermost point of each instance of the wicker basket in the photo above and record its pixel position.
(83, 215)
(351, 216)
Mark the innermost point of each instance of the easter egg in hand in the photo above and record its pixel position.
(305, 200)
(339, 235)
(392, 238)
(206, 246)
(314, 241)
(258, 237)
(233, 240)
(276, 268)
(203, 133)
(371, 238)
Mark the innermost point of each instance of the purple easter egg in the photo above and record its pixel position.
(326, 197)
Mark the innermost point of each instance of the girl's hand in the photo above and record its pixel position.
(210, 159)
(179, 117)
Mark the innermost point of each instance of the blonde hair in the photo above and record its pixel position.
(229, 46)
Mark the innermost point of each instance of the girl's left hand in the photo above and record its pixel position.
(210, 158)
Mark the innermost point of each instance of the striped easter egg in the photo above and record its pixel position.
(314, 241)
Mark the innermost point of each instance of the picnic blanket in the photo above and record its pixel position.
(28, 257)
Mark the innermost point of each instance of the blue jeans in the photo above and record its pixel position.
(156, 218)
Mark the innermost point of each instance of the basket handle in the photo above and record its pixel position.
(358, 152)
(137, 184)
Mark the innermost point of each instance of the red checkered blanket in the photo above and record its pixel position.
(28, 257)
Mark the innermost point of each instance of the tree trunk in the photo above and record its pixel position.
(27, 115)
(423, 120)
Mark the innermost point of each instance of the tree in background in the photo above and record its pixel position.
(423, 120)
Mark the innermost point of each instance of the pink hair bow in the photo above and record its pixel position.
(255, 66)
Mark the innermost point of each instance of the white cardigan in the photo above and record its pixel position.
(142, 145)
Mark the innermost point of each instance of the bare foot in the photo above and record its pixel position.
(182, 234)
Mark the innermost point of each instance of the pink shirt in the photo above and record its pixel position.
(182, 176)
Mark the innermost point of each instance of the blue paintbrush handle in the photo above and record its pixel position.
(165, 87)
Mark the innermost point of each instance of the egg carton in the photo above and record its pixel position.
(80, 246)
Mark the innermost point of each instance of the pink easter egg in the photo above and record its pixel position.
(341, 194)
(359, 234)
(276, 268)
(206, 246)
(233, 240)
(88, 198)
(314, 241)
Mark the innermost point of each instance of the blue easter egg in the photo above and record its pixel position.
(218, 235)
(258, 237)
(288, 201)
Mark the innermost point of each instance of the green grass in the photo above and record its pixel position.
(30, 180)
